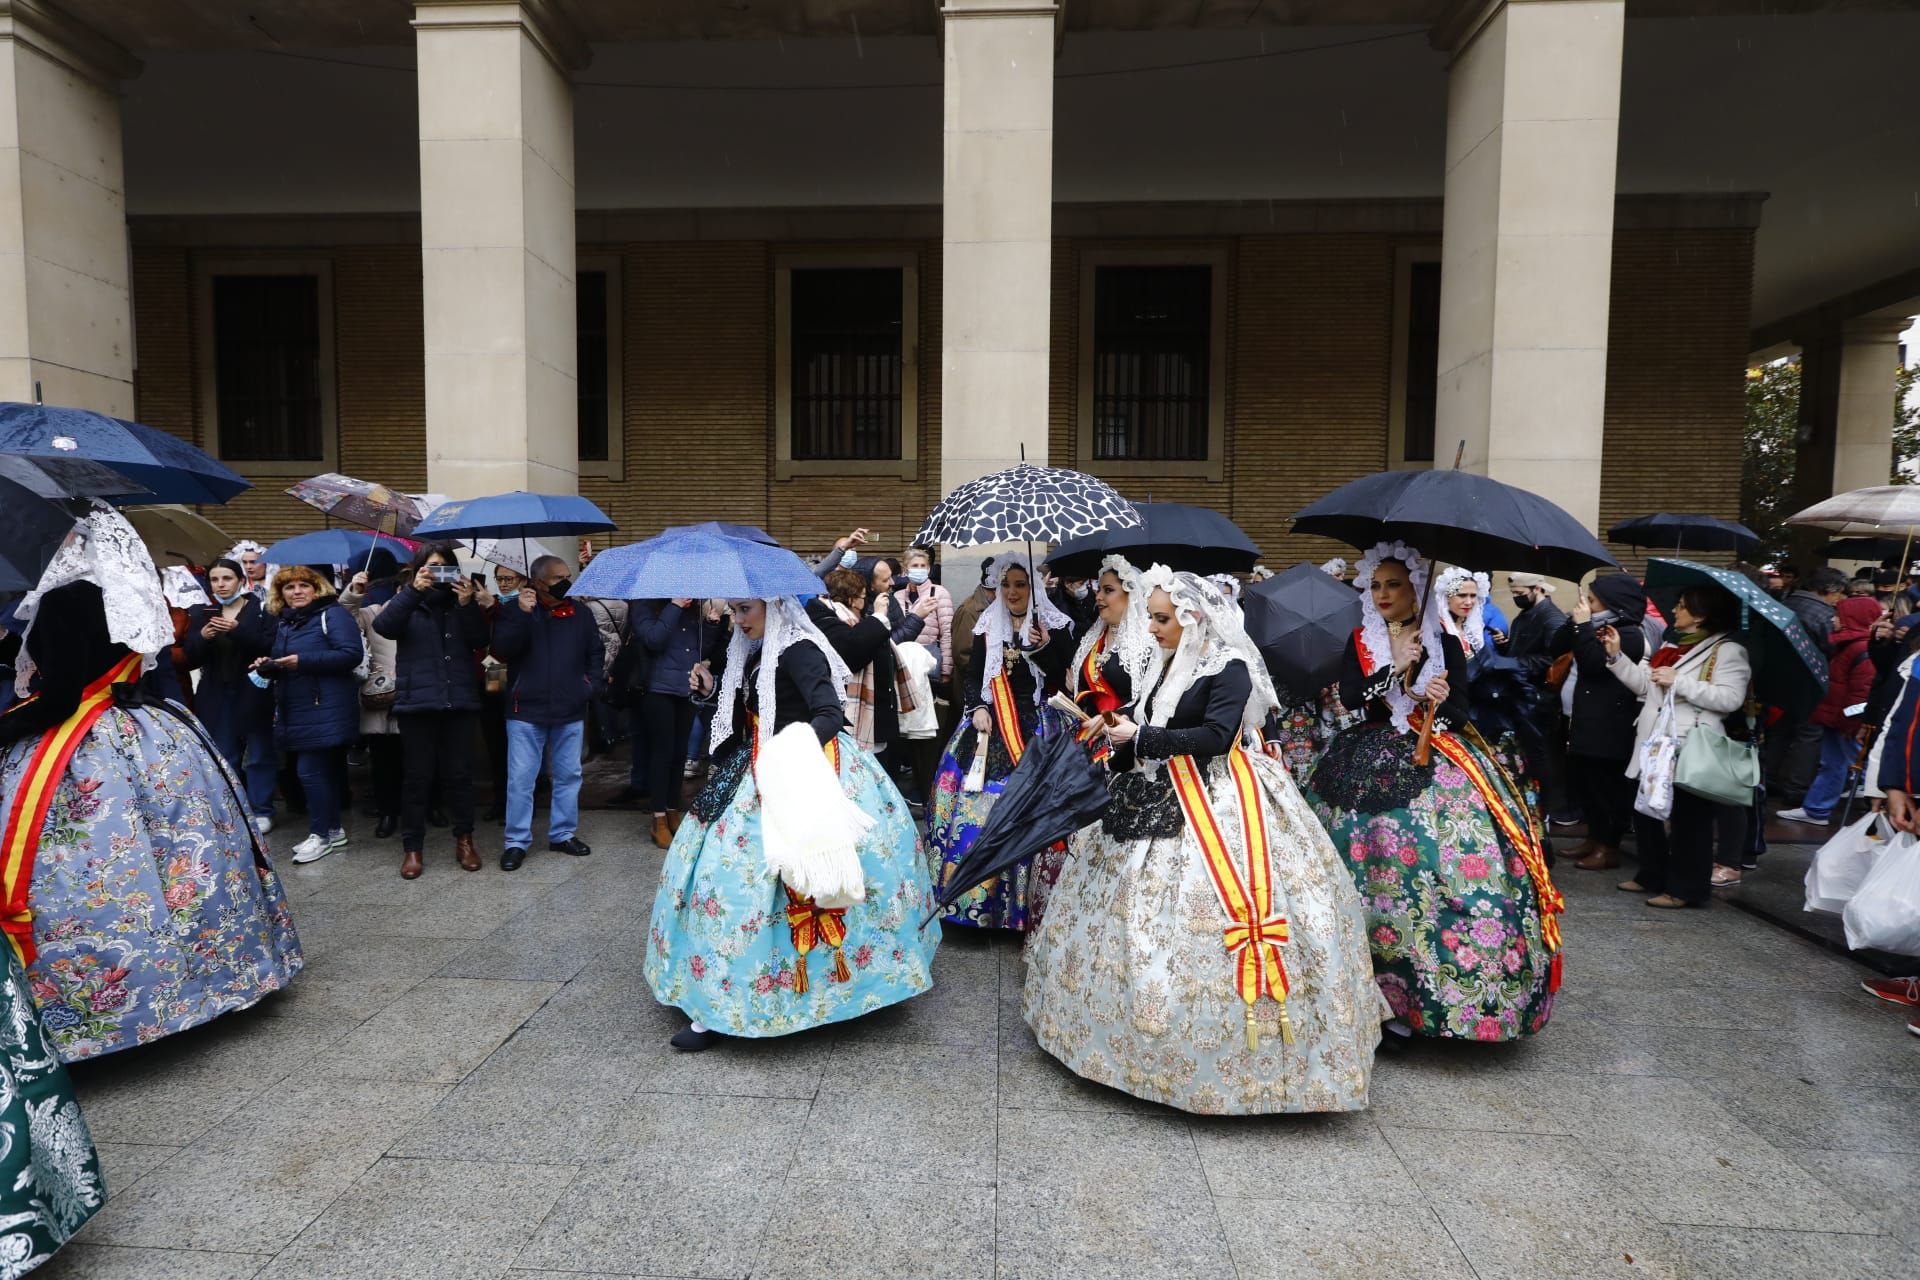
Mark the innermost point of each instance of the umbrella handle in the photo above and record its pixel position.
(1423, 750)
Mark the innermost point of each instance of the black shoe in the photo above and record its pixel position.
(694, 1041)
(572, 844)
(512, 858)
(387, 825)
(438, 818)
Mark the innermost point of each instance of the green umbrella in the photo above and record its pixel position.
(1789, 672)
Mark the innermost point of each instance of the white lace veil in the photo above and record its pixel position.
(1131, 641)
(1373, 627)
(181, 588)
(1473, 634)
(996, 622)
(787, 625)
(1213, 635)
(105, 549)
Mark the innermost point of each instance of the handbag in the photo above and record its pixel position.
(1658, 756)
(379, 692)
(1715, 766)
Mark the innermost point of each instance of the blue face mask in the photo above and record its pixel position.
(229, 599)
(917, 577)
(259, 680)
(848, 560)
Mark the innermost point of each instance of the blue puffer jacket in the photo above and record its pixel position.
(554, 664)
(435, 643)
(317, 704)
(672, 635)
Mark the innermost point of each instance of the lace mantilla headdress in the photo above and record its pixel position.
(1214, 633)
(1130, 641)
(104, 549)
(1373, 628)
(996, 622)
(1472, 634)
(787, 625)
(181, 588)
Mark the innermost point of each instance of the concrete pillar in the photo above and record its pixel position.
(997, 234)
(1533, 115)
(1845, 439)
(497, 245)
(65, 304)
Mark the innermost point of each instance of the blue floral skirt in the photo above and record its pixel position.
(956, 816)
(1452, 914)
(720, 947)
(151, 913)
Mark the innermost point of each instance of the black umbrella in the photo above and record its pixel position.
(1865, 548)
(1458, 517)
(1300, 620)
(31, 530)
(1196, 539)
(1056, 789)
(1687, 531)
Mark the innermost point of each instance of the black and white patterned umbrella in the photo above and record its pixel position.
(1026, 503)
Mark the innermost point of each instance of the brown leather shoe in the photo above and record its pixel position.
(463, 850)
(411, 865)
(1581, 850)
(662, 833)
(1603, 858)
(673, 820)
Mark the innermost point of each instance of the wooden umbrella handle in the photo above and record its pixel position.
(1423, 750)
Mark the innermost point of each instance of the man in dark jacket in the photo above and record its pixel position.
(1600, 734)
(1792, 750)
(1538, 635)
(554, 663)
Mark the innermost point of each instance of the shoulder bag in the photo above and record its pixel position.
(1714, 766)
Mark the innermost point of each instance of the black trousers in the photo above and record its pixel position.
(1676, 856)
(1604, 793)
(387, 762)
(438, 744)
(493, 726)
(668, 722)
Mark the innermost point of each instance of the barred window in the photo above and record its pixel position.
(594, 361)
(846, 363)
(1152, 337)
(267, 367)
(1423, 359)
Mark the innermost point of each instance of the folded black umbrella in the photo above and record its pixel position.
(1300, 620)
(1196, 539)
(1056, 789)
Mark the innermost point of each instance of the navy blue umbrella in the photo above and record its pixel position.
(171, 469)
(1300, 621)
(67, 477)
(335, 546)
(31, 530)
(1196, 539)
(693, 561)
(513, 515)
(751, 532)
(1687, 531)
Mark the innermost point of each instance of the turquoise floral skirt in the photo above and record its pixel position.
(721, 948)
(955, 819)
(1452, 914)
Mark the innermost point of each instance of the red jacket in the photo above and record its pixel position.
(1849, 671)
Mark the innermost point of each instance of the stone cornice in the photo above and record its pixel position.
(67, 41)
(1462, 20)
(548, 23)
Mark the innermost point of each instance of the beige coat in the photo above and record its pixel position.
(1710, 683)
(381, 655)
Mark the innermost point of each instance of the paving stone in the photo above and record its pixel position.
(872, 1230)
(637, 1217)
(697, 1130)
(426, 1220)
(437, 1032)
(1033, 1079)
(1539, 1242)
(1308, 1157)
(1308, 1240)
(1086, 1151)
(124, 1163)
(1082, 1231)
(1886, 1184)
(896, 1140)
(1533, 1174)
(939, 1075)
(80, 1261)
(1794, 1112)
(1793, 1255)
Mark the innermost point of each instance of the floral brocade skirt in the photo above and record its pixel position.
(720, 947)
(50, 1180)
(150, 912)
(1452, 913)
(954, 820)
(1129, 982)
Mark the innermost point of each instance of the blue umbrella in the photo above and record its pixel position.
(172, 469)
(751, 532)
(689, 562)
(513, 515)
(334, 546)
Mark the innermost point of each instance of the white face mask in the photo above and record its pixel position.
(1078, 591)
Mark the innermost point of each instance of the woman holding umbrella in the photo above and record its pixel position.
(794, 891)
(1020, 652)
(1117, 652)
(1204, 947)
(1447, 855)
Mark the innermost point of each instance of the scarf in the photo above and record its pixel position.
(1678, 645)
(859, 688)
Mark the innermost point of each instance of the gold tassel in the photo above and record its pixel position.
(800, 974)
(1253, 1031)
(1286, 1025)
(840, 971)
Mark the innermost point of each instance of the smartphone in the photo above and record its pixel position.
(445, 574)
(479, 580)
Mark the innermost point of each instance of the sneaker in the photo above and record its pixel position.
(1894, 990)
(1914, 1027)
(263, 824)
(312, 849)
(337, 838)
(1800, 815)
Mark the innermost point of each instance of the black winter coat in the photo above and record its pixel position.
(435, 643)
(1052, 659)
(226, 701)
(554, 663)
(1605, 711)
(1538, 637)
(867, 643)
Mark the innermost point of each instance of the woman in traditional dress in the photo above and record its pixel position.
(794, 892)
(1020, 651)
(1204, 947)
(1447, 854)
(138, 893)
(1500, 698)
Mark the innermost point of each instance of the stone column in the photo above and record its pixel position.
(1533, 114)
(1847, 374)
(997, 233)
(497, 245)
(65, 304)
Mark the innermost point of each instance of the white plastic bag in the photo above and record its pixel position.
(1659, 755)
(1885, 913)
(918, 662)
(1842, 863)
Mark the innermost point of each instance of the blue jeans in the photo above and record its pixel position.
(1838, 750)
(526, 744)
(253, 757)
(316, 770)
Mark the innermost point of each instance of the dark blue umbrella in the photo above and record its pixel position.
(171, 469)
(1196, 539)
(751, 532)
(1458, 517)
(1866, 548)
(334, 546)
(513, 515)
(67, 477)
(694, 561)
(31, 530)
(1788, 671)
(1300, 621)
(1687, 531)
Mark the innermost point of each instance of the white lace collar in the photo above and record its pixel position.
(1374, 633)
(1131, 642)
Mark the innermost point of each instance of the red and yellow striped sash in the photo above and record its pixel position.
(1502, 803)
(1007, 712)
(1093, 678)
(1254, 933)
(808, 923)
(28, 813)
